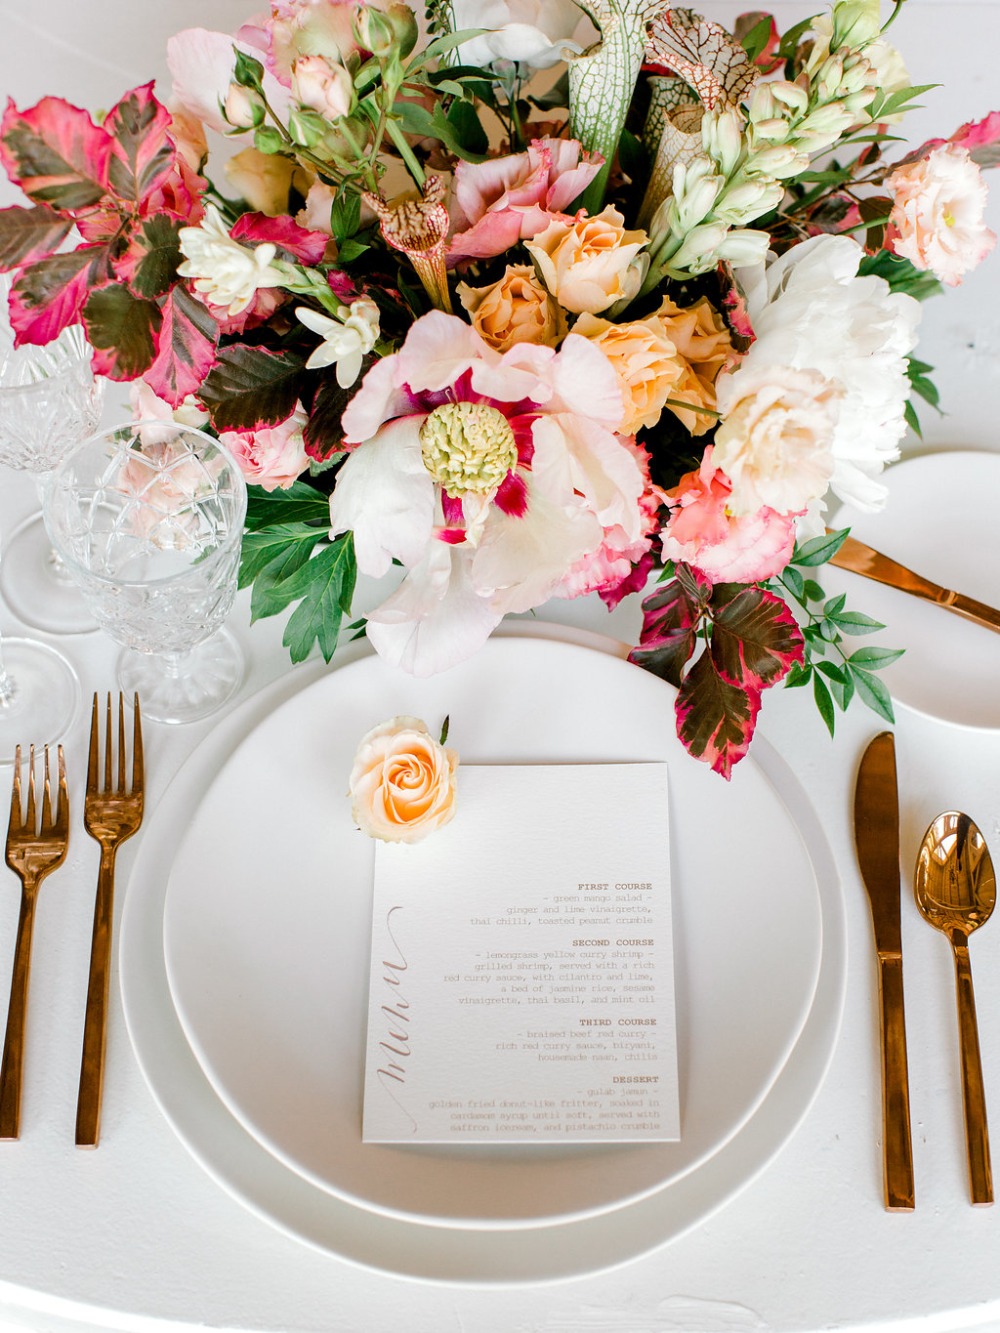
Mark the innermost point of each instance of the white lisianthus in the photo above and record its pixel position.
(536, 33)
(226, 273)
(811, 311)
(345, 342)
(775, 440)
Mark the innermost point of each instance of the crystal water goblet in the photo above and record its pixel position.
(39, 695)
(50, 400)
(148, 519)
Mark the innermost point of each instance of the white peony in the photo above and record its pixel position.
(536, 33)
(811, 311)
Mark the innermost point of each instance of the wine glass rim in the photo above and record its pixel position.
(232, 537)
(74, 354)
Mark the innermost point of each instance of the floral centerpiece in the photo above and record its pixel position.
(527, 301)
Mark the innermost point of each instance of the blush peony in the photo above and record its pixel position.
(937, 220)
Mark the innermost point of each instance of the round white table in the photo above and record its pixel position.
(137, 1236)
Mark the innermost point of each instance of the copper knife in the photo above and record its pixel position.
(876, 833)
(861, 559)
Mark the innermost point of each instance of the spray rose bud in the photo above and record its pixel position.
(243, 108)
(322, 87)
(404, 25)
(375, 31)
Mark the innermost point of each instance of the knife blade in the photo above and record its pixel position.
(876, 834)
(871, 564)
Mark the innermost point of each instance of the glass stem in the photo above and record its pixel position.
(57, 570)
(8, 685)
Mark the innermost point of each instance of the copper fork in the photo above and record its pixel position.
(112, 812)
(33, 850)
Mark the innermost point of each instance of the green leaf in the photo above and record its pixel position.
(911, 418)
(824, 702)
(794, 582)
(252, 387)
(351, 250)
(855, 622)
(800, 674)
(279, 550)
(874, 659)
(873, 692)
(327, 583)
(820, 549)
(468, 128)
(790, 39)
(834, 605)
(345, 215)
(754, 41)
(300, 503)
(813, 591)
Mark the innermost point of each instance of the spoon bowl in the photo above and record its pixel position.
(956, 891)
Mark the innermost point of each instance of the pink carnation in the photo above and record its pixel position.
(508, 199)
(271, 456)
(939, 204)
(726, 549)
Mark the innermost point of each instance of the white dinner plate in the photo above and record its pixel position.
(940, 521)
(268, 918)
(286, 1200)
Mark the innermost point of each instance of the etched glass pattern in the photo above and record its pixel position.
(49, 400)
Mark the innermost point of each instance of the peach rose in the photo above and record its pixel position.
(403, 782)
(645, 361)
(939, 203)
(516, 309)
(704, 347)
(588, 263)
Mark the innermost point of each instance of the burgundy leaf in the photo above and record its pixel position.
(715, 718)
(250, 387)
(149, 264)
(185, 348)
(122, 331)
(142, 153)
(671, 617)
(56, 153)
(48, 296)
(324, 435)
(755, 637)
(29, 234)
(258, 228)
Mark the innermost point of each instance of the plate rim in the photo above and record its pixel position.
(242, 1167)
(481, 1221)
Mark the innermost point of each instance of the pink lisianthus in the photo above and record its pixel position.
(489, 476)
(937, 220)
(620, 564)
(725, 548)
(271, 456)
(508, 199)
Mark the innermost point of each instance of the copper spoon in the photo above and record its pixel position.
(956, 891)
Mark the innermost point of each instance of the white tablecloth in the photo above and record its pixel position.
(137, 1236)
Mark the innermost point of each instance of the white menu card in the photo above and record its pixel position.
(522, 984)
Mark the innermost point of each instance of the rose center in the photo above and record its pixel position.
(468, 447)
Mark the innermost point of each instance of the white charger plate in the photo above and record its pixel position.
(268, 916)
(940, 521)
(284, 1199)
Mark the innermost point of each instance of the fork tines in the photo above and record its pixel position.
(94, 782)
(60, 823)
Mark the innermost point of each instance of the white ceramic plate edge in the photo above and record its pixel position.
(417, 1250)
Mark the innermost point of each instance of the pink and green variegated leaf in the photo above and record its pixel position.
(186, 348)
(250, 387)
(49, 296)
(30, 234)
(715, 718)
(56, 153)
(982, 138)
(122, 331)
(149, 264)
(142, 152)
(671, 617)
(258, 228)
(755, 637)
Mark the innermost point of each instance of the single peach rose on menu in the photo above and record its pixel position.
(403, 782)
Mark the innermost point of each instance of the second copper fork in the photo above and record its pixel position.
(34, 848)
(112, 812)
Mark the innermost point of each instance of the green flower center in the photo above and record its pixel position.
(468, 447)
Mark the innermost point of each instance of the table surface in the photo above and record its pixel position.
(136, 1235)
